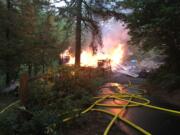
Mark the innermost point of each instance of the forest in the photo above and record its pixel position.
(51, 84)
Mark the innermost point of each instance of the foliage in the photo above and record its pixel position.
(9, 46)
(155, 24)
(55, 96)
(30, 37)
(85, 16)
(69, 87)
(167, 81)
(21, 122)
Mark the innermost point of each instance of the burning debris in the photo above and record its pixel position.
(113, 60)
(110, 59)
(114, 37)
(64, 59)
(104, 64)
(113, 53)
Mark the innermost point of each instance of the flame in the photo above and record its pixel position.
(115, 54)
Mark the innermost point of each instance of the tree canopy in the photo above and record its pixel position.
(155, 23)
(85, 16)
(31, 37)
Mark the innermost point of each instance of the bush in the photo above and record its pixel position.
(21, 122)
(56, 96)
(166, 80)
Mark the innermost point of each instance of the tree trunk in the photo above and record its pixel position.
(23, 90)
(7, 29)
(43, 68)
(78, 34)
(30, 70)
(35, 70)
(8, 79)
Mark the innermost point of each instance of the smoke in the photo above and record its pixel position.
(114, 38)
(152, 59)
(114, 33)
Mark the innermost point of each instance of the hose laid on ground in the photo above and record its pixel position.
(115, 118)
(86, 110)
(125, 120)
(121, 97)
(135, 103)
(10, 105)
(96, 103)
(152, 106)
(125, 97)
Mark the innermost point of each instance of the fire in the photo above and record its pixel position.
(114, 54)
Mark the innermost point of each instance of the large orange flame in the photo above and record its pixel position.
(115, 54)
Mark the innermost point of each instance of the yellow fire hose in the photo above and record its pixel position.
(91, 108)
(88, 109)
(127, 98)
(126, 121)
(153, 107)
(12, 104)
(131, 100)
(115, 118)
(121, 97)
(135, 103)
(95, 103)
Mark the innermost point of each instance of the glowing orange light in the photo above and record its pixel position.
(115, 54)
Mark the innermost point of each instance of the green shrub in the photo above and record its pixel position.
(54, 97)
(164, 79)
(21, 122)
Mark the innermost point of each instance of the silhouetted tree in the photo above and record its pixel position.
(86, 14)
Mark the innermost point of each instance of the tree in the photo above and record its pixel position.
(29, 37)
(9, 48)
(39, 35)
(78, 33)
(87, 14)
(156, 23)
